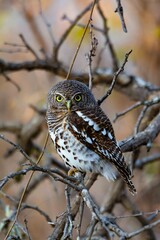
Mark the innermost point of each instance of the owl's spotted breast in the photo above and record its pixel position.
(76, 155)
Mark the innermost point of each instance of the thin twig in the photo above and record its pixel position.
(119, 9)
(80, 43)
(35, 208)
(139, 120)
(24, 191)
(51, 172)
(147, 227)
(146, 103)
(92, 53)
(27, 230)
(156, 212)
(105, 222)
(51, 158)
(10, 51)
(69, 223)
(48, 25)
(25, 206)
(140, 163)
(91, 228)
(11, 81)
(108, 41)
(114, 79)
(128, 204)
(81, 209)
(66, 33)
(142, 138)
(118, 115)
(19, 148)
(65, 17)
(28, 46)
(14, 44)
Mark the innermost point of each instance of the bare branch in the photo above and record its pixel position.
(114, 79)
(81, 210)
(17, 147)
(81, 40)
(28, 46)
(10, 126)
(140, 163)
(149, 226)
(119, 9)
(66, 33)
(68, 229)
(108, 41)
(92, 53)
(11, 81)
(142, 138)
(48, 25)
(146, 103)
(105, 222)
(27, 230)
(135, 87)
(139, 120)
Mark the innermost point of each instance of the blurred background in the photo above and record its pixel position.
(27, 17)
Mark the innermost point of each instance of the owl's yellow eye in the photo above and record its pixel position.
(78, 97)
(59, 98)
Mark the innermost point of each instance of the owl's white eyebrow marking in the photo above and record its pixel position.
(89, 120)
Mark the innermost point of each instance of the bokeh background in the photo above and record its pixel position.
(143, 37)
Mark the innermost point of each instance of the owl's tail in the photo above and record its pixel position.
(125, 173)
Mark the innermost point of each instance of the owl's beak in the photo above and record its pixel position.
(69, 104)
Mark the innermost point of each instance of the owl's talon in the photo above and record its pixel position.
(72, 171)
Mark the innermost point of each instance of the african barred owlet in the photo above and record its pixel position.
(82, 134)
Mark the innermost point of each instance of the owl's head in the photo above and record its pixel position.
(70, 95)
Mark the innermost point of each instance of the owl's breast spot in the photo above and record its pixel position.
(75, 151)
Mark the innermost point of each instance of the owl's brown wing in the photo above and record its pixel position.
(93, 128)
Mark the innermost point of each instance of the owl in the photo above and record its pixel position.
(82, 134)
